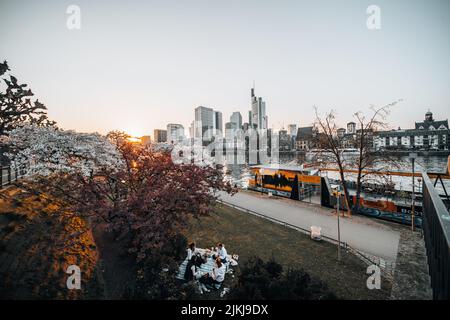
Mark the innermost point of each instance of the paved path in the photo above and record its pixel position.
(411, 278)
(362, 233)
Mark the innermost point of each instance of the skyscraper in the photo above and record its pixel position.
(175, 132)
(292, 130)
(159, 135)
(284, 140)
(258, 113)
(236, 118)
(218, 123)
(206, 121)
(192, 130)
(230, 129)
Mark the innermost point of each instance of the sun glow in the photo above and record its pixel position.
(134, 140)
(135, 130)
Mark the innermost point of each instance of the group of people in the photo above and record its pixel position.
(196, 259)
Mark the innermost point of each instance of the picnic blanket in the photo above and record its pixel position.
(204, 268)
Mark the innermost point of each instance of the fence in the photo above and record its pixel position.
(10, 174)
(369, 260)
(436, 229)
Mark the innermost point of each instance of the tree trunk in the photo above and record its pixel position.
(344, 186)
(358, 193)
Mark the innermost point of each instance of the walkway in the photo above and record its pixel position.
(411, 277)
(362, 233)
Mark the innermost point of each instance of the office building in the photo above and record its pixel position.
(236, 118)
(218, 123)
(204, 122)
(292, 130)
(284, 140)
(175, 132)
(160, 135)
(258, 118)
(191, 130)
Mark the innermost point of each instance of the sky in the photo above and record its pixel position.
(139, 65)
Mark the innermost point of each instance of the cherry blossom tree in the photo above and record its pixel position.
(48, 150)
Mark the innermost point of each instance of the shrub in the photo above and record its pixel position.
(266, 280)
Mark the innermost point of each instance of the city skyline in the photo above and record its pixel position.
(138, 70)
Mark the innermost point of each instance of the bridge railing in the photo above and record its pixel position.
(436, 228)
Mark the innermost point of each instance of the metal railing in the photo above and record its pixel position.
(361, 255)
(10, 174)
(436, 229)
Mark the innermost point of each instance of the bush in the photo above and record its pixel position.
(266, 280)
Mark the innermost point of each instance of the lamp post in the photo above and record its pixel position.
(261, 171)
(413, 157)
(338, 194)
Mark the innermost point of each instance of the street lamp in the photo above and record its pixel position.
(338, 194)
(261, 171)
(413, 156)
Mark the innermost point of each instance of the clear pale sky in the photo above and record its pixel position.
(138, 65)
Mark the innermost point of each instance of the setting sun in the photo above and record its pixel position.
(134, 139)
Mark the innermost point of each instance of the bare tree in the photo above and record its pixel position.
(367, 163)
(330, 144)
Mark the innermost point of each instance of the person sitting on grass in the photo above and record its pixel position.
(216, 277)
(192, 271)
(191, 251)
(221, 253)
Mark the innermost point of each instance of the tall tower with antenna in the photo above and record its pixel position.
(257, 115)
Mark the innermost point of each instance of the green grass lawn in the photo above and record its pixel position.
(248, 235)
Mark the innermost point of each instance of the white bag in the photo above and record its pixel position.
(316, 233)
